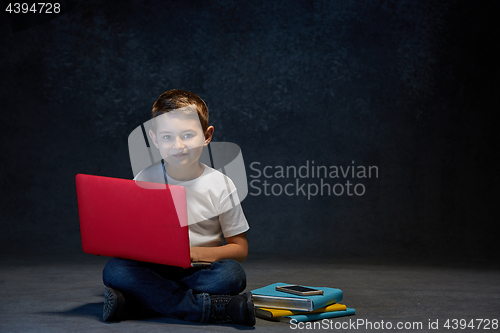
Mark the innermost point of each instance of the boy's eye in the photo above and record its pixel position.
(188, 135)
(167, 137)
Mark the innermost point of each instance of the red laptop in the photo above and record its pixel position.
(133, 220)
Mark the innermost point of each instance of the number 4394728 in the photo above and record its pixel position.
(483, 324)
(37, 8)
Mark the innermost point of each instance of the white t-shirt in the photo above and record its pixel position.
(213, 206)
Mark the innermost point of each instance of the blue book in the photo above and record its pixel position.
(317, 316)
(269, 297)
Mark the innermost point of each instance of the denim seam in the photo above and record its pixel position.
(204, 308)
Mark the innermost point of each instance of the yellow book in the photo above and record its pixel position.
(268, 313)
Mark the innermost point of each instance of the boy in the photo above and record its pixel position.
(208, 294)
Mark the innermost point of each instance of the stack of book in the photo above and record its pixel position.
(272, 304)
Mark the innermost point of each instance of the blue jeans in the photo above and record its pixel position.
(182, 293)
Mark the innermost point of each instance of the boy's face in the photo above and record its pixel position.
(179, 137)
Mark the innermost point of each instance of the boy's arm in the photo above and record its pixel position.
(236, 248)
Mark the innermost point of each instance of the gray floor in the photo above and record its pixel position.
(65, 294)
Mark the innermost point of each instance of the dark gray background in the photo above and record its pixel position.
(408, 86)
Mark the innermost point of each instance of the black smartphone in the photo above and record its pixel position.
(299, 290)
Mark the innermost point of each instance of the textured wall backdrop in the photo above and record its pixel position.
(407, 86)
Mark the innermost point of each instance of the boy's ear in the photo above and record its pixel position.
(208, 135)
(153, 137)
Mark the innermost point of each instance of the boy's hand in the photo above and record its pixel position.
(236, 248)
(195, 253)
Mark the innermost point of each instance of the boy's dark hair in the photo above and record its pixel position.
(176, 99)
